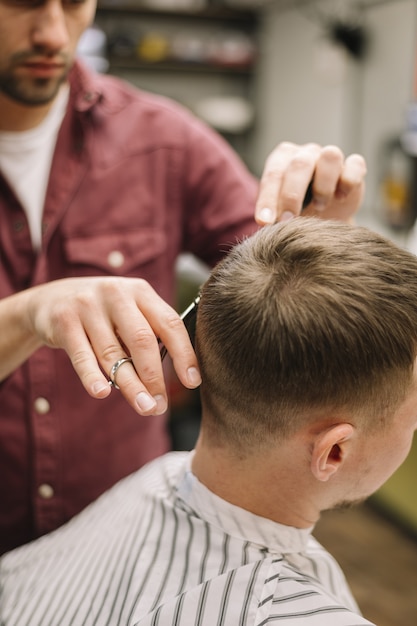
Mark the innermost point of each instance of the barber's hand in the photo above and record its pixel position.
(338, 183)
(98, 321)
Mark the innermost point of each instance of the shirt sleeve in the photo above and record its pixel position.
(219, 195)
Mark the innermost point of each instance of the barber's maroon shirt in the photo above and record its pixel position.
(135, 180)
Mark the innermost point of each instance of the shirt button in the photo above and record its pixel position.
(116, 258)
(18, 226)
(42, 406)
(45, 491)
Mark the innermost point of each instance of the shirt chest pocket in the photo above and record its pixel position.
(133, 253)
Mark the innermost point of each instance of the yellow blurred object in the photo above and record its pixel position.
(396, 201)
(396, 186)
(153, 47)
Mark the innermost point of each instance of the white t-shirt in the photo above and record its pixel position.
(25, 161)
(160, 549)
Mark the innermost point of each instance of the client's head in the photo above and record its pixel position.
(304, 320)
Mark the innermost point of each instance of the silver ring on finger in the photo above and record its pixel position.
(115, 368)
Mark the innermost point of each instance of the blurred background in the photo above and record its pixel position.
(332, 71)
(261, 71)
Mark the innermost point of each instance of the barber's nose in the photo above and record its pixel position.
(50, 26)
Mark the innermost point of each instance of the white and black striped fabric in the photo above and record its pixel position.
(159, 549)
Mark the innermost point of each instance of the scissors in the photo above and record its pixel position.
(188, 317)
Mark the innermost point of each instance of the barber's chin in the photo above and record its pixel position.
(34, 92)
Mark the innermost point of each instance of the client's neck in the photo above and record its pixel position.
(268, 484)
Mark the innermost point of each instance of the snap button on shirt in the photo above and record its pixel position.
(116, 258)
(41, 406)
(45, 491)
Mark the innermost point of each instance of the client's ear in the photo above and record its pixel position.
(329, 450)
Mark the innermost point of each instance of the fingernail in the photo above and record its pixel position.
(319, 204)
(99, 386)
(193, 376)
(286, 216)
(266, 215)
(145, 402)
(161, 404)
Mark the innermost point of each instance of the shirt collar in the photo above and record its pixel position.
(89, 88)
(239, 522)
(85, 88)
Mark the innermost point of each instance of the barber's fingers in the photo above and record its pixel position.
(62, 313)
(337, 189)
(136, 318)
(99, 321)
(285, 178)
(353, 175)
(168, 326)
(141, 382)
(80, 351)
(327, 172)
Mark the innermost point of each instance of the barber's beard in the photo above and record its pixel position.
(38, 92)
(31, 91)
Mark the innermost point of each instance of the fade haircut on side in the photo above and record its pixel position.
(305, 316)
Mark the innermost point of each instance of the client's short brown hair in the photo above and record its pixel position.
(304, 316)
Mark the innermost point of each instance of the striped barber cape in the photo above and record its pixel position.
(159, 549)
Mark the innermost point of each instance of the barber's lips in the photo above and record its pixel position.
(40, 69)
